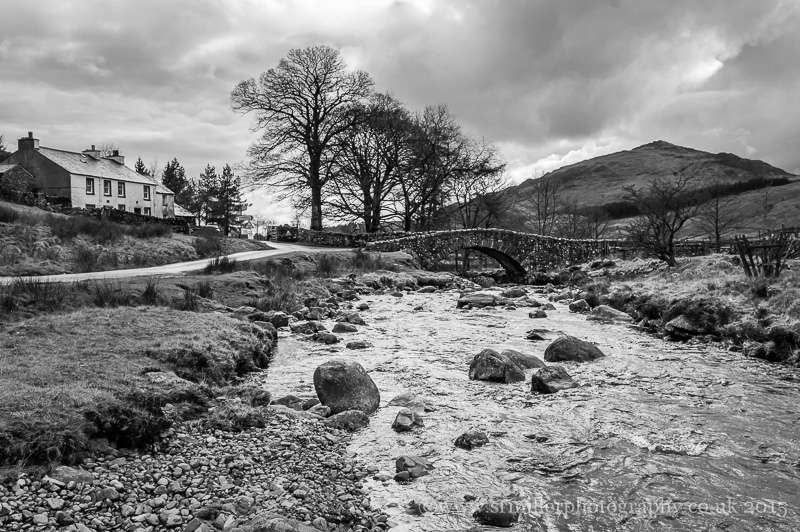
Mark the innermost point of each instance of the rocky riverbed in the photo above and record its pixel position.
(658, 435)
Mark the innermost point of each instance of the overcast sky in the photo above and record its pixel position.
(549, 82)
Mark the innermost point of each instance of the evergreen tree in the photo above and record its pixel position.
(206, 194)
(229, 201)
(140, 167)
(174, 178)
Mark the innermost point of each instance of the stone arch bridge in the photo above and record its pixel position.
(521, 254)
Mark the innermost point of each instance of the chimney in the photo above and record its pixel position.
(28, 143)
(115, 156)
(93, 153)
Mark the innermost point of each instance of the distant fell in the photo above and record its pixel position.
(602, 180)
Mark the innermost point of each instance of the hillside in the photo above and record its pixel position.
(601, 180)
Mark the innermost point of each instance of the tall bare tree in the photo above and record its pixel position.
(370, 162)
(717, 216)
(540, 204)
(666, 204)
(301, 106)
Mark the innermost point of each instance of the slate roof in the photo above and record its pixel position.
(6, 167)
(80, 164)
(181, 211)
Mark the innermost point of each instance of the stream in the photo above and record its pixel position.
(659, 435)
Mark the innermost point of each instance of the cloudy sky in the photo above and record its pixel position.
(550, 82)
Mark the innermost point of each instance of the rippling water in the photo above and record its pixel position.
(660, 436)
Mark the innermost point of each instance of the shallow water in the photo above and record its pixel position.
(659, 436)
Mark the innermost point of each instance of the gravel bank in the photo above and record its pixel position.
(293, 474)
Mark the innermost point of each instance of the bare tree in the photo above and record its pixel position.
(573, 221)
(302, 106)
(107, 148)
(765, 207)
(666, 204)
(475, 192)
(370, 162)
(718, 214)
(154, 167)
(540, 204)
(3, 150)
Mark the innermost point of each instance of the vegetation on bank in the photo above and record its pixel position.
(34, 242)
(760, 315)
(70, 377)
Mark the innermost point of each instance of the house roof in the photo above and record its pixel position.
(80, 164)
(6, 167)
(182, 211)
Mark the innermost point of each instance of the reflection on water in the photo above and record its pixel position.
(660, 436)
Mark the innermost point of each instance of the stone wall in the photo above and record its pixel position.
(125, 217)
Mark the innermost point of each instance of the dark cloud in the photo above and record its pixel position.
(550, 82)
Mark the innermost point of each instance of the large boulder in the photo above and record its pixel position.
(350, 420)
(522, 360)
(570, 349)
(344, 385)
(606, 313)
(497, 514)
(410, 400)
(480, 300)
(514, 293)
(342, 327)
(307, 327)
(551, 380)
(416, 466)
(407, 420)
(682, 328)
(579, 306)
(537, 314)
(471, 439)
(489, 365)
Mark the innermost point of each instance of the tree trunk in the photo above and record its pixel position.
(316, 208)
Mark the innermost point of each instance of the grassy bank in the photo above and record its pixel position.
(35, 242)
(760, 315)
(66, 378)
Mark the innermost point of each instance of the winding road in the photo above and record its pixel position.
(280, 248)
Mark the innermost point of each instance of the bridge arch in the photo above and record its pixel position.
(520, 254)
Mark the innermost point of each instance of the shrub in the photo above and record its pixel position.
(33, 293)
(9, 215)
(327, 265)
(86, 258)
(208, 246)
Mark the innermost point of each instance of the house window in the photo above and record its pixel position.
(89, 185)
(121, 206)
(91, 206)
(137, 210)
(147, 193)
(106, 187)
(147, 211)
(121, 189)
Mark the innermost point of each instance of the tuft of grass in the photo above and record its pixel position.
(9, 215)
(188, 302)
(106, 294)
(33, 294)
(221, 265)
(205, 289)
(151, 294)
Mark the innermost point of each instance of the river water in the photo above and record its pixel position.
(659, 436)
